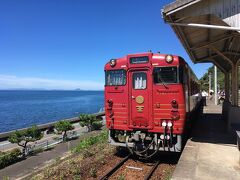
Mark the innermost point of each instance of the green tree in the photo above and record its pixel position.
(64, 126)
(90, 121)
(22, 138)
(204, 80)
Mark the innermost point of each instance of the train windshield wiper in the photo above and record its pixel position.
(160, 78)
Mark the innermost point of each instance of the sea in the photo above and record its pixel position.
(24, 108)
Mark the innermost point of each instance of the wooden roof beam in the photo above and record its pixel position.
(214, 62)
(219, 66)
(232, 53)
(221, 54)
(205, 44)
(216, 55)
(207, 57)
(183, 39)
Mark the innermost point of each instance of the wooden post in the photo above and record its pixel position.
(234, 85)
(215, 86)
(226, 86)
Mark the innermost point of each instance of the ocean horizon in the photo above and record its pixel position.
(26, 107)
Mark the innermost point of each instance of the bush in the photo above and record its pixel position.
(22, 138)
(97, 125)
(90, 121)
(10, 157)
(64, 126)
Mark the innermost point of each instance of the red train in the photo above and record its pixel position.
(149, 99)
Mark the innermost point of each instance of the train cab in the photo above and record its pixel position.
(148, 98)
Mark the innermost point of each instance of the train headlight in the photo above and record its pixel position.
(113, 62)
(169, 58)
(167, 137)
(161, 136)
(164, 124)
(169, 124)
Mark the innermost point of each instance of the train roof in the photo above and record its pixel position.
(157, 59)
(154, 56)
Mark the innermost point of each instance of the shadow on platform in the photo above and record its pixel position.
(210, 152)
(211, 128)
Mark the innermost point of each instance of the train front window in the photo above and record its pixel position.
(140, 80)
(165, 75)
(115, 78)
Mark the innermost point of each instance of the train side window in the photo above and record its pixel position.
(185, 75)
(139, 80)
(115, 78)
(181, 70)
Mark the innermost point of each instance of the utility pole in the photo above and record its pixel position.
(210, 82)
(215, 85)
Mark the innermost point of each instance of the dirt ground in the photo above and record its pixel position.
(137, 169)
(94, 162)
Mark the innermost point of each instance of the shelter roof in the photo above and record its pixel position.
(208, 29)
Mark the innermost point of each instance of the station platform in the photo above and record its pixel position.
(211, 152)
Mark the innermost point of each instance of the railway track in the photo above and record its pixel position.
(149, 174)
(115, 168)
(140, 166)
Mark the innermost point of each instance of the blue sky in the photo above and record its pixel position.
(64, 44)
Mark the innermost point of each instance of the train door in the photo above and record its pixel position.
(140, 88)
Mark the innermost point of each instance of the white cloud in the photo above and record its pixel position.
(14, 82)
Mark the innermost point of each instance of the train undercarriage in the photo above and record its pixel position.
(146, 144)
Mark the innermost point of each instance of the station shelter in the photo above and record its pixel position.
(209, 30)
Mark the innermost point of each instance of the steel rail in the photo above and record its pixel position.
(148, 176)
(115, 168)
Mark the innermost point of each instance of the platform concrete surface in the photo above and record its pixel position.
(211, 153)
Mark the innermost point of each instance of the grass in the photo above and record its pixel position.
(168, 174)
(87, 161)
(36, 151)
(6, 178)
(86, 143)
(48, 172)
(84, 162)
(57, 159)
(93, 172)
(121, 177)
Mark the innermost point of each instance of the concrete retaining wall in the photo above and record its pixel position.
(43, 127)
